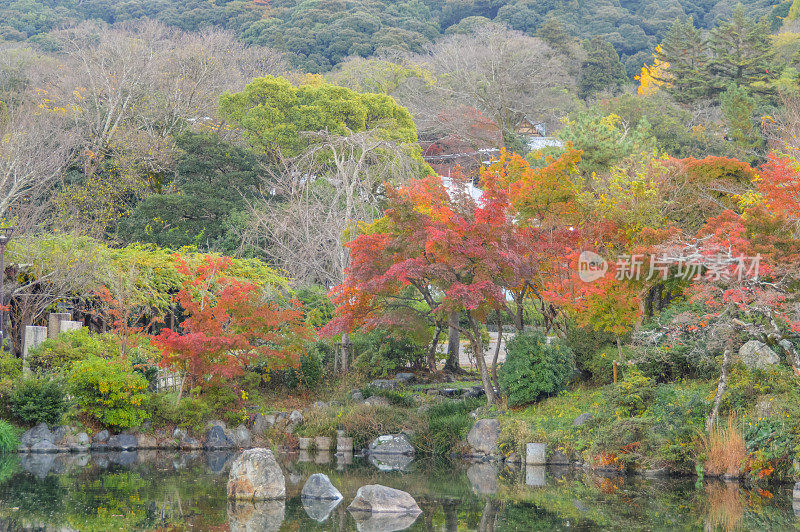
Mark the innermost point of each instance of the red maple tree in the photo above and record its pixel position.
(229, 323)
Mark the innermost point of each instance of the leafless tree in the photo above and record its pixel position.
(504, 74)
(35, 147)
(318, 202)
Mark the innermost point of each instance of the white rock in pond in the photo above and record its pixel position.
(318, 486)
(255, 475)
(391, 444)
(757, 355)
(374, 498)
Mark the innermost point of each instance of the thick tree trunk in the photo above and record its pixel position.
(477, 346)
(722, 385)
(453, 342)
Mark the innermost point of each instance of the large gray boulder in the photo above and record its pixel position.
(483, 437)
(39, 433)
(217, 439)
(318, 486)
(391, 444)
(255, 475)
(757, 355)
(384, 384)
(377, 499)
(255, 516)
(123, 442)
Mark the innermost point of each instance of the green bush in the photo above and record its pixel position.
(10, 365)
(38, 400)
(309, 373)
(59, 353)
(379, 354)
(110, 391)
(586, 343)
(631, 396)
(190, 413)
(8, 438)
(534, 369)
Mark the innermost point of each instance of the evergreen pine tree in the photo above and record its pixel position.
(601, 69)
(741, 51)
(685, 50)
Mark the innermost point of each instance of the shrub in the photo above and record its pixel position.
(10, 365)
(631, 396)
(110, 391)
(586, 344)
(534, 369)
(38, 400)
(226, 402)
(59, 353)
(379, 354)
(190, 413)
(8, 438)
(308, 373)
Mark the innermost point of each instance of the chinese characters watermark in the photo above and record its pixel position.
(721, 267)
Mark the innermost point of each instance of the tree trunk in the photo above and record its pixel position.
(477, 346)
(495, 380)
(345, 352)
(453, 342)
(432, 350)
(489, 517)
(722, 385)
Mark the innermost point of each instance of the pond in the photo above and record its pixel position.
(179, 491)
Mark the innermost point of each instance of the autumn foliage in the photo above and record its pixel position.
(229, 323)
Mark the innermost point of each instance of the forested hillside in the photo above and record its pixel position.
(318, 34)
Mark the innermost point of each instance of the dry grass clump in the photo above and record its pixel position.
(725, 450)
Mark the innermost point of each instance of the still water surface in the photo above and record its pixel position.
(178, 491)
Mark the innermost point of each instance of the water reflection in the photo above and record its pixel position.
(152, 490)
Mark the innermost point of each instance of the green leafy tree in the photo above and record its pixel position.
(213, 182)
(274, 114)
(605, 139)
(601, 70)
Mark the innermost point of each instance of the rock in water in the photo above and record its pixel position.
(255, 475)
(320, 497)
(318, 486)
(757, 355)
(483, 436)
(377, 499)
(391, 444)
(38, 434)
(216, 439)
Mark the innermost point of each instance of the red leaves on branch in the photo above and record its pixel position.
(229, 323)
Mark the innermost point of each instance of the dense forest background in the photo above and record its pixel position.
(317, 35)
